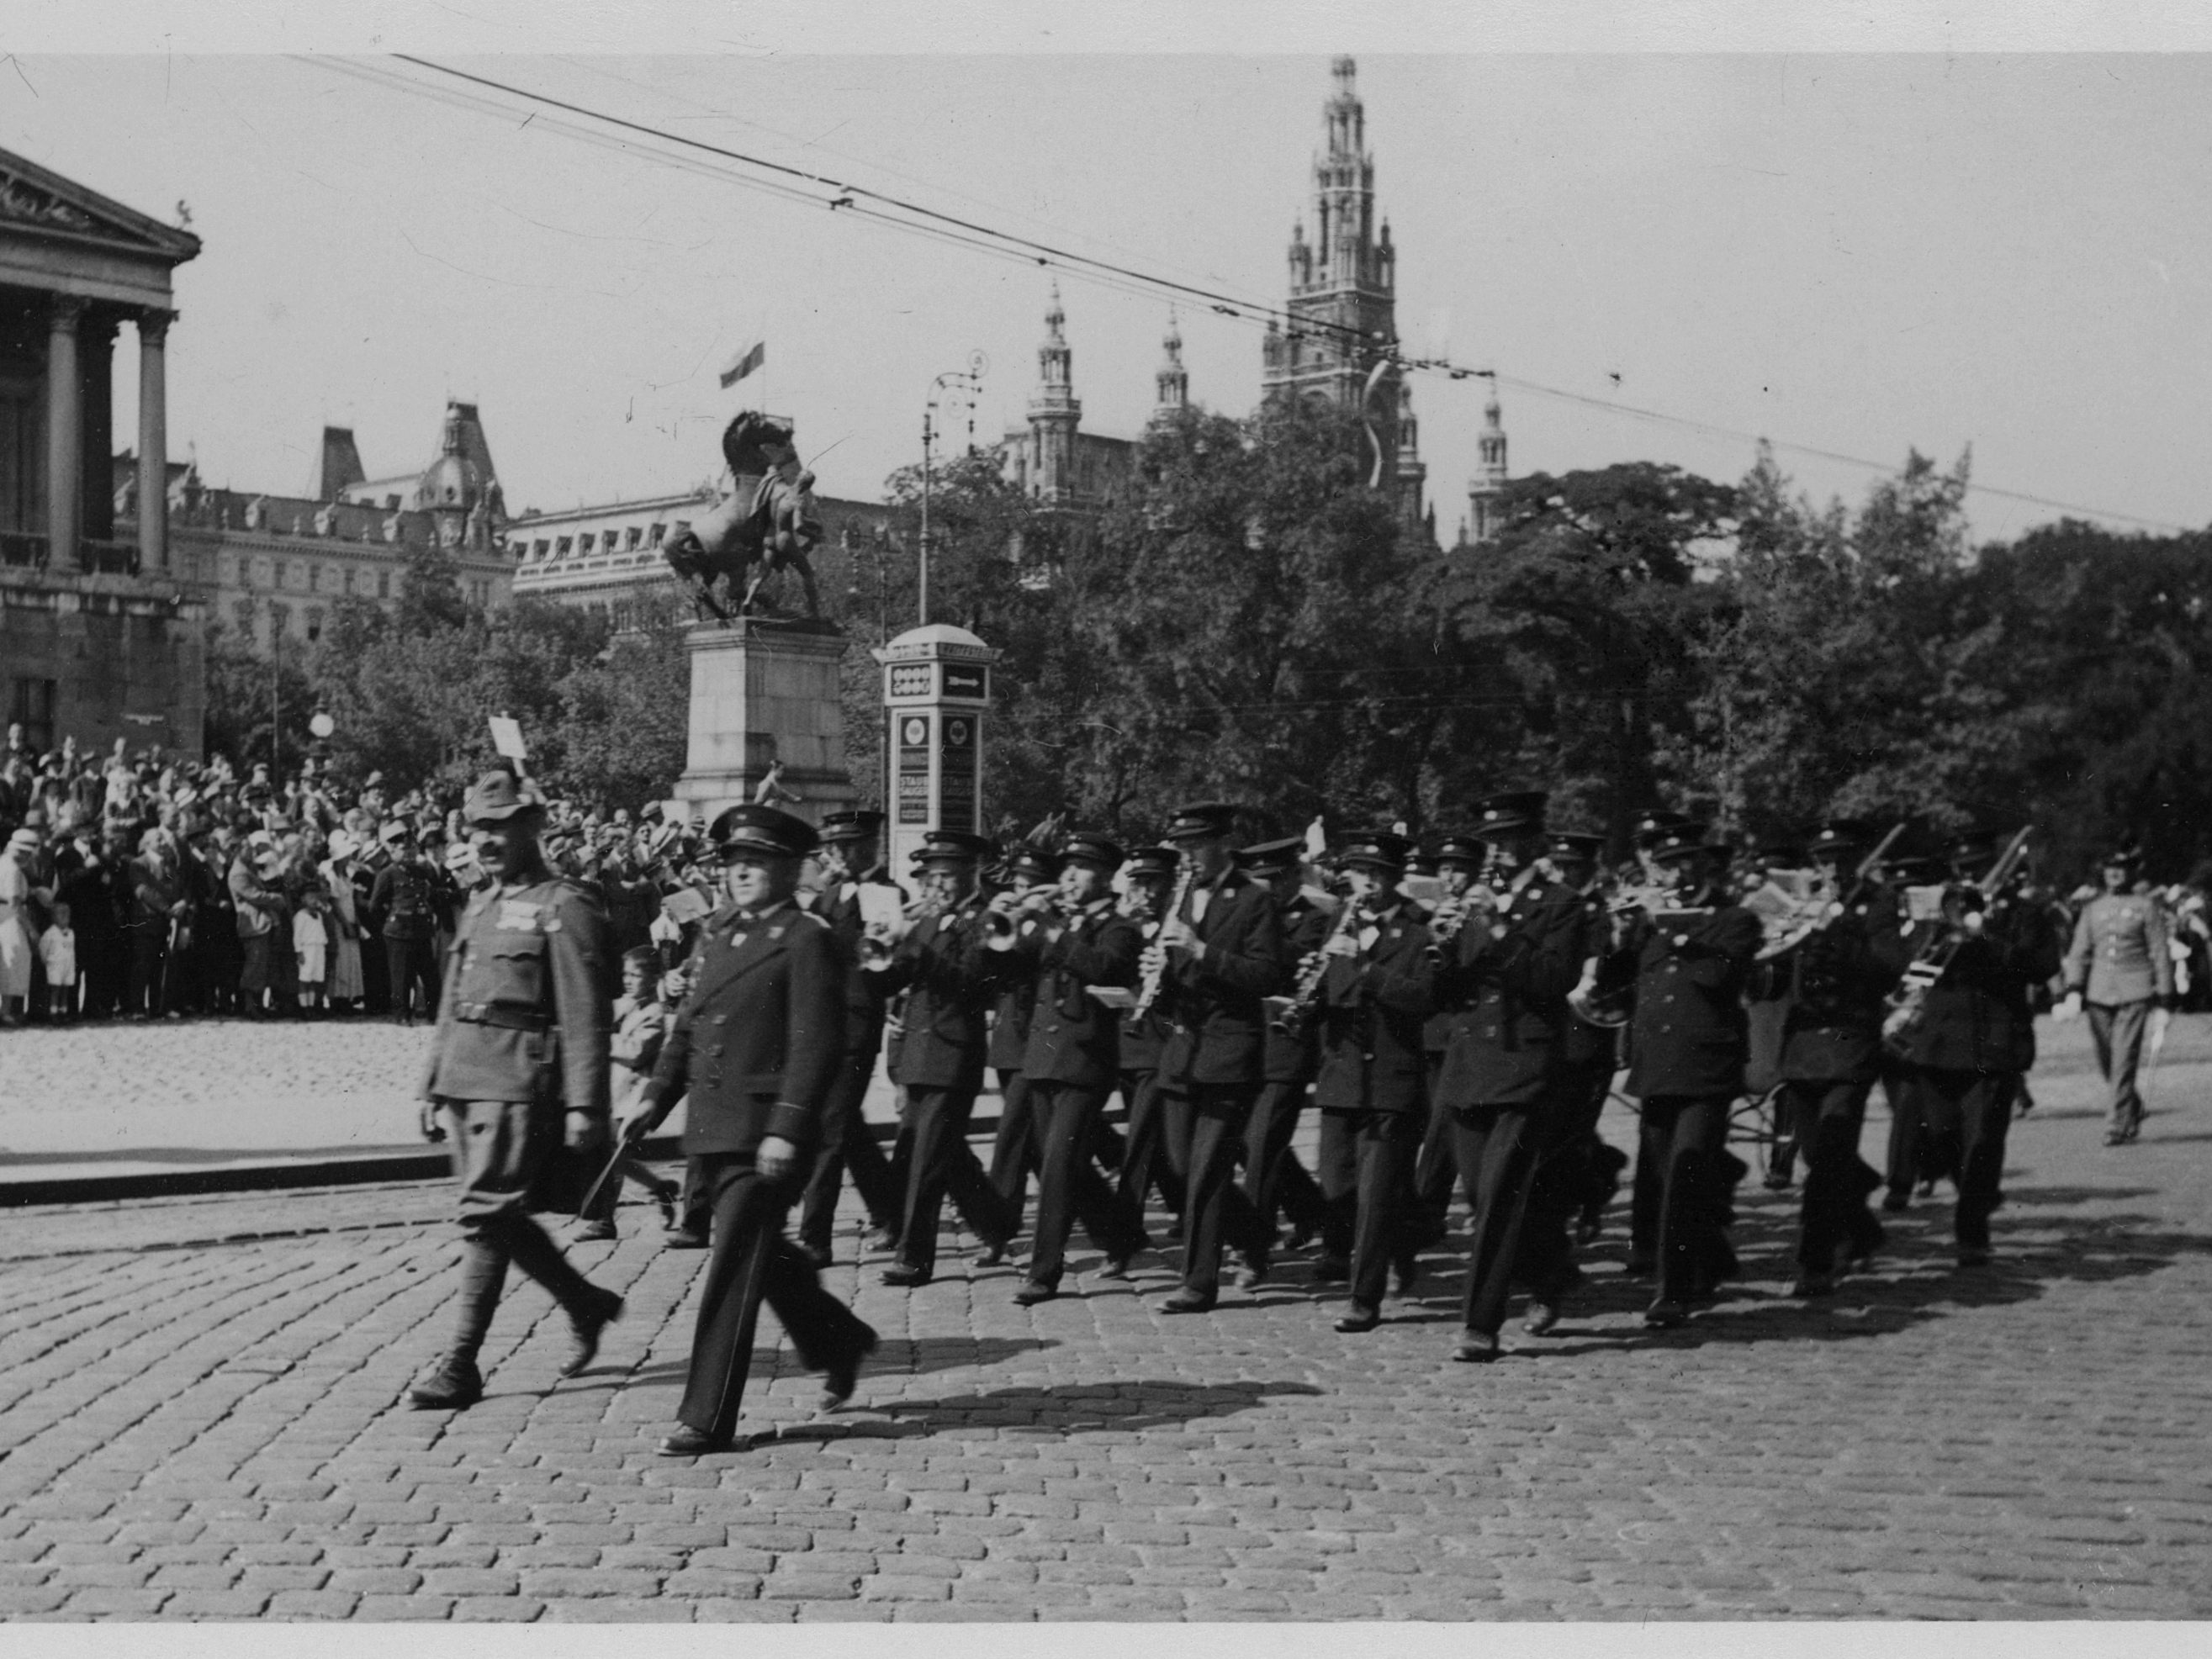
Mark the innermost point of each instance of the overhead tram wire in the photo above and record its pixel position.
(953, 230)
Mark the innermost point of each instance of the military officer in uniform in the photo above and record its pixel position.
(1967, 1054)
(1065, 943)
(757, 1049)
(849, 844)
(942, 963)
(1688, 1045)
(1274, 1179)
(1219, 956)
(2120, 967)
(1833, 986)
(517, 1067)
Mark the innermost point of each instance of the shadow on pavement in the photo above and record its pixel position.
(1119, 1407)
(890, 1358)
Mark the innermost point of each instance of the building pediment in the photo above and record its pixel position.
(44, 203)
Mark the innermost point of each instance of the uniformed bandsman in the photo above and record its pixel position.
(517, 1067)
(1032, 869)
(1833, 988)
(1687, 1048)
(1149, 1163)
(2120, 967)
(1274, 1181)
(1068, 941)
(1219, 956)
(755, 1050)
(1378, 988)
(1461, 861)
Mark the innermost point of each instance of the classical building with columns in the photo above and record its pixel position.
(100, 636)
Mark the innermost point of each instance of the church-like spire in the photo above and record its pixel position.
(1173, 381)
(1055, 411)
(1485, 513)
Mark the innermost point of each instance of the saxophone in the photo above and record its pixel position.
(1148, 993)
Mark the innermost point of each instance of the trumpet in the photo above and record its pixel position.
(1004, 915)
(880, 939)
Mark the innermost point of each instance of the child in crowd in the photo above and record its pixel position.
(311, 942)
(57, 951)
(641, 1026)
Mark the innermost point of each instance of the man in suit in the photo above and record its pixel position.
(950, 978)
(1688, 1044)
(1147, 1161)
(1273, 1178)
(1034, 870)
(522, 1035)
(1833, 988)
(1219, 956)
(849, 842)
(2120, 966)
(757, 1049)
(1377, 991)
(1066, 942)
(1966, 1054)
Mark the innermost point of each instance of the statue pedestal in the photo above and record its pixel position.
(764, 692)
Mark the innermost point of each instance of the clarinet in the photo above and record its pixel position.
(1149, 992)
(1305, 1000)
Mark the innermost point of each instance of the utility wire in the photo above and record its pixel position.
(952, 229)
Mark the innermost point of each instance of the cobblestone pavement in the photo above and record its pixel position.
(197, 1414)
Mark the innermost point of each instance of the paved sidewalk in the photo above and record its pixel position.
(197, 1415)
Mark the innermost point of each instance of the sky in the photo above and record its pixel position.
(1859, 253)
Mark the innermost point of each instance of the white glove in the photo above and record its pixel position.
(2069, 1007)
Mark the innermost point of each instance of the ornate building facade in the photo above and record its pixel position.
(100, 636)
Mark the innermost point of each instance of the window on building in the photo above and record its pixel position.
(33, 707)
(280, 622)
(541, 548)
(384, 584)
(636, 538)
(345, 578)
(314, 579)
(279, 581)
(241, 617)
(392, 503)
(314, 622)
(562, 546)
(659, 531)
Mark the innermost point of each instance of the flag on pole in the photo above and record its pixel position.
(749, 360)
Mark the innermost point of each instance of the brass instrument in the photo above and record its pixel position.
(1908, 1003)
(1452, 916)
(1306, 997)
(1004, 915)
(1155, 976)
(877, 944)
(1788, 926)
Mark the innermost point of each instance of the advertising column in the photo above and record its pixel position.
(937, 691)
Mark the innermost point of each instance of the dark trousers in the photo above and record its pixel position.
(149, 955)
(1576, 1172)
(407, 962)
(1834, 1224)
(1064, 1118)
(1902, 1160)
(1274, 1179)
(1013, 1153)
(1964, 1117)
(846, 1144)
(1146, 1161)
(752, 1260)
(1496, 1149)
(1683, 1139)
(1437, 1163)
(1214, 1213)
(100, 959)
(943, 1165)
(1366, 1176)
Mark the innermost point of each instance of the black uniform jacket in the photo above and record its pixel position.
(761, 1035)
(1980, 1016)
(1074, 1037)
(1506, 999)
(1292, 1056)
(1836, 982)
(1372, 1009)
(1689, 1036)
(1215, 1006)
(864, 991)
(943, 965)
(1014, 1004)
(524, 1009)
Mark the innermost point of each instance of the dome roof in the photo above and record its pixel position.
(455, 481)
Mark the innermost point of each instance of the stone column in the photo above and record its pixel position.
(765, 694)
(153, 443)
(64, 435)
(95, 353)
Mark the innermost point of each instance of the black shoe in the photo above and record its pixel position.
(594, 1231)
(1300, 1237)
(584, 1346)
(1032, 1293)
(451, 1385)
(991, 1254)
(666, 1203)
(1476, 1348)
(1188, 1302)
(1331, 1270)
(1778, 1181)
(1540, 1318)
(1896, 1201)
(900, 1274)
(683, 1238)
(688, 1442)
(1358, 1319)
(1117, 1267)
(1404, 1274)
(1666, 1313)
(881, 1238)
(838, 1380)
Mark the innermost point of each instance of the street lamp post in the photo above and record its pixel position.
(969, 382)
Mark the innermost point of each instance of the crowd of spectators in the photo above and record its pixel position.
(144, 885)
